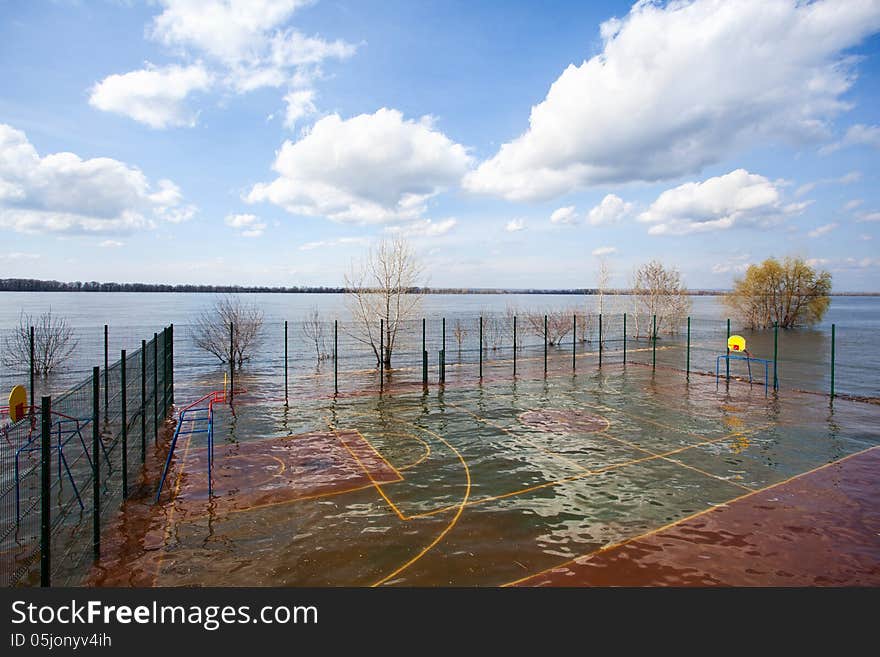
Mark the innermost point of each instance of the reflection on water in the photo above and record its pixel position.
(475, 484)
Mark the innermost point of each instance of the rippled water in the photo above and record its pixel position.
(488, 491)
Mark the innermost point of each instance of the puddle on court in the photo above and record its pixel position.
(471, 485)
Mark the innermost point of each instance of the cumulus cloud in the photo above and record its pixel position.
(719, 203)
(564, 215)
(153, 96)
(247, 225)
(650, 106)
(610, 210)
(822, 230)
(856, 135)
(371, 168)
(868, 216)
(515, 225)
(604, 250)
(853, 204)
(111, 244)
(424, 228)
(62, 193)
(247, 38)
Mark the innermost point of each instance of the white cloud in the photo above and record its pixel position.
(300, 104)
(342, 241)
(247, 225)
(371, 168)
(611, 210)
(604, 250)
(111, 244)
(718, 203)
(564, 215)
(62, 193)
(856, 135)
(865, 237)
(424, 228)
(18, 255)
(868, 216)
(515, 225)
(817, 262)
(822, 230)
(651, 106)
(853, 204)
(247, 38)
(153, 96)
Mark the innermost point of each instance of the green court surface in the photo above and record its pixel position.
(471, 483)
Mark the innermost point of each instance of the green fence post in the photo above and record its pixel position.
(545, 344)
(624, 338)
(143, 401)
(441, 357)
(481, 346)
(775, 354)
(336, 356)
(424, 355)
(514, 345)
(285, 361)
(833, 340)
(96, 463)
(155, 388)
(727, 360)
(106, 370)
(574, 328)
(231, 362)
(171, 362)
(687, 367)
(123, 384)
(45, 493)
(32, 403)
(444, 336)
(654, 344)
(164, 371)
(381, 353)
(600, 339)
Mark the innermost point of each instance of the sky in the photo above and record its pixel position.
(514, 144)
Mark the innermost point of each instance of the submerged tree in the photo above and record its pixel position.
(314, 331)
(790, 292)
(230, 329)
(559, 324)
(54, 342)
(658, 292)
(383, 290)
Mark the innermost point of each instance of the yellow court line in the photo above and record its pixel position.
(618, 544)
(588, 473)
(387, 462)
(452, 521)
(368, 473)
(424, 456)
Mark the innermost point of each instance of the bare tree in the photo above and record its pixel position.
(314, 331)
(558, 324)
(658, 291)
(493, 331)
(510, 314)
(603, 276)
(585, 324)
(54, 342)
(229, 314)
(459, 332)
(384, 286)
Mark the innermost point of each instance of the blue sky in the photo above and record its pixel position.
(515, 144)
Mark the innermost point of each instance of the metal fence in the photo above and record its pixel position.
(328, 357)
(69, 463)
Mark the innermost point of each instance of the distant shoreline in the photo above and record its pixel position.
(34, 285)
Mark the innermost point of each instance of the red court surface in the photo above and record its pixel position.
(821, 528)
(260, 473)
